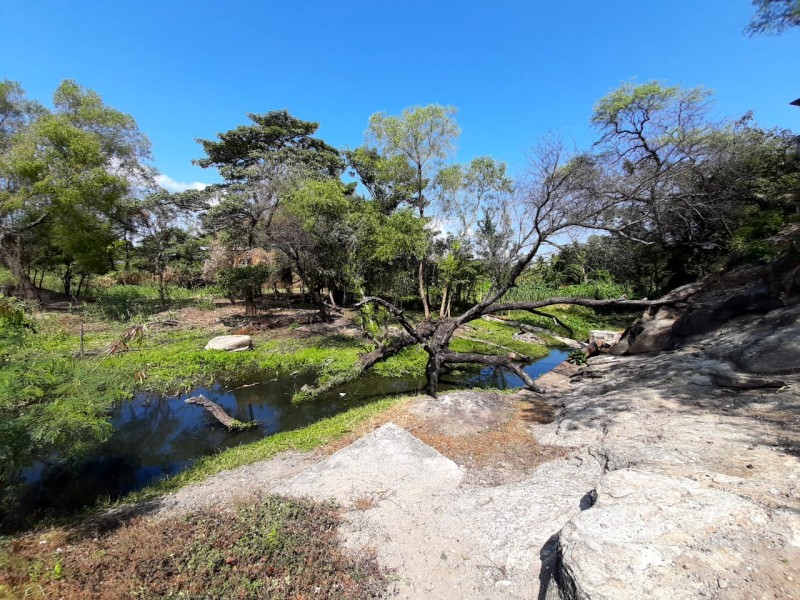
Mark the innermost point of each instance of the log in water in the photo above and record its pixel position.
(219, 413)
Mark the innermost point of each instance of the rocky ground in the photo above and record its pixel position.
(672, 473)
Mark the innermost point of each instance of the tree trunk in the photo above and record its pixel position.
(423, 292)
(432, 370)
(67, 279)
(80, 284)
(316, 297)
(443, 307)
(161, 293)
(250, 305)
(12, 260)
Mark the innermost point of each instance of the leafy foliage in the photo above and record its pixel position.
(244, 282)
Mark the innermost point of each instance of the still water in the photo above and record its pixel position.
(157, 436)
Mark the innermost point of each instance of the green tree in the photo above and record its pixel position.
(244, 282)
(424, 136)
(66, 172)
(319, 230)
(678, 180)
(774, 16)
(390, 181)
(260, 164)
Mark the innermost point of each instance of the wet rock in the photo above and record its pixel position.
(230, 343)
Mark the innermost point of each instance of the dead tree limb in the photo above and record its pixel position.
(365, 361)
(615, 303)
(219, 413)
(503, 362)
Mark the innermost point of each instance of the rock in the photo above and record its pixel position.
(776, 349)
(528, 338)
(707, 316)
(604, 338)
(643, 527)
(230, 343)
(654, 333)
(389, 458)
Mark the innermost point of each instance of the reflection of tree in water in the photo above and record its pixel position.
(156, 436)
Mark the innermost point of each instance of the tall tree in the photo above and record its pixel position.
(675, 178)
(551, 203)
(425, 136)
(66, 171)
(465, 192)
(318, 230)
(390, 181)
(260, 163)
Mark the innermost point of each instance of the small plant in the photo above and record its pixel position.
(577, 357)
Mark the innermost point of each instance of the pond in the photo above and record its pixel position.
(155, 437)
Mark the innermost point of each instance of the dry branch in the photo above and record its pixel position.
(219, 413)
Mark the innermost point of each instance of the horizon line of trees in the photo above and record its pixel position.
(680, 194)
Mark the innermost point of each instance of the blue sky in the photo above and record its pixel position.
(515, 70)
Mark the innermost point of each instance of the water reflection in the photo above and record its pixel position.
(155, 437)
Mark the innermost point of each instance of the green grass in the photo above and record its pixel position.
(305, 439)
(580, 319)
(536, 293)
(497, 333)
(409, 362)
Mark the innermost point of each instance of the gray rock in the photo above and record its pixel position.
(777, 347)
(655, 333)
(389, 458)
(644, 527)
(230, 343)
(604, 338)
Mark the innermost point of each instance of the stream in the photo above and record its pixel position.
(158, 436)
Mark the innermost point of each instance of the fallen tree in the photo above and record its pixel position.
(551, 204)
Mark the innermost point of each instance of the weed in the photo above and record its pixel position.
(577, 357)
(278, 548)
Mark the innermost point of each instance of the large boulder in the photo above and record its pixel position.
(650, 334)
(659, 537)
(776, 347)
(230, 343)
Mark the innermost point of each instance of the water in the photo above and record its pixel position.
(155, 437)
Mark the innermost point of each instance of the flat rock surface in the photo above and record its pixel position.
(443, 539)
(673, 475)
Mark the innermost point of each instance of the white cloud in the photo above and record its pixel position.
(168, 183)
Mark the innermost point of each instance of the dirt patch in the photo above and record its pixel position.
(486, 433)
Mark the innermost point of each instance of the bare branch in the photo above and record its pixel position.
(399, 314)
(505, 362)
